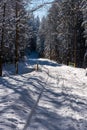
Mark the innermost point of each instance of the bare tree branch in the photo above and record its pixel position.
(43, 4)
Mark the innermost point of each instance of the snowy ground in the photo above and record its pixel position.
(53, 98)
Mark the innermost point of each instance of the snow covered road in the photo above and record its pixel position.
(62, 104)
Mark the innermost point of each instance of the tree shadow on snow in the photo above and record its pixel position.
(44, 62)
(27, 66)
(17, 100)
(64, 111)
(23, 68)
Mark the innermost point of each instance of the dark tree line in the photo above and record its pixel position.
(60, 36)
(63, 32)
(18, 31)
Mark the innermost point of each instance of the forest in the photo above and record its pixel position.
(61, 35)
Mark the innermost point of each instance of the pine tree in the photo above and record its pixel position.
(52, 41)
(64, 41)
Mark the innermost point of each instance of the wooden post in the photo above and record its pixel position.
(37, 67)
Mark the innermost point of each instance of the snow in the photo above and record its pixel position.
(52, 98)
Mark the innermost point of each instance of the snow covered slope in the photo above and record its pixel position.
(53, 98)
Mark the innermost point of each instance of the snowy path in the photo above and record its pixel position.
(58, 95)
(60, 108)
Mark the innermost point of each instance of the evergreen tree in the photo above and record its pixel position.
(51, 40)
(14, 31)
(64, 40)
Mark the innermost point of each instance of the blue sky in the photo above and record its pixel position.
(42, 11)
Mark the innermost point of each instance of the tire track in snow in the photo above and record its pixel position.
(35, 105)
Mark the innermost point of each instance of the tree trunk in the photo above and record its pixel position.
(2, 38)
(16, 42)
(75, 42)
